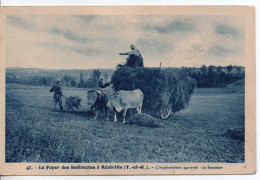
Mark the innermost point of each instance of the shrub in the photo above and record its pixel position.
(161, 87)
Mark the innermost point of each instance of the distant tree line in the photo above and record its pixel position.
(213, 76)
(68, 80)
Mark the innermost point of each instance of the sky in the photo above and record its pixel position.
(93, 41)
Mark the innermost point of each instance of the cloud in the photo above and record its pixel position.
(156, 46)
(84, 51)
(219, 51)
(86, 19)
(166, 28)
(224, 29)
(69, 35)
(21, 22)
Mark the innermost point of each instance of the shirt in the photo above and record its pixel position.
(134, 52)
(57, 89)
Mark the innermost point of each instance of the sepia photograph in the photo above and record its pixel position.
(126, 90)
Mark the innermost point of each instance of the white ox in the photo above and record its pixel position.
(124, 100)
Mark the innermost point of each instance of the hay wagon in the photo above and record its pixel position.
(166, 90)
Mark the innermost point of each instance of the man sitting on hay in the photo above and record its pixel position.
(135, 58)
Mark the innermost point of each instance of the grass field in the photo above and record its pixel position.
(210, 129)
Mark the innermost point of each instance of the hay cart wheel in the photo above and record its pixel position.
(166, 112)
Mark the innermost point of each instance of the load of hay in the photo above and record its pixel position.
(162, 88)
(144, 120)
(72, 102)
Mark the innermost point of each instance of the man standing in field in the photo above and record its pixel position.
(135, 58)
(57, 94)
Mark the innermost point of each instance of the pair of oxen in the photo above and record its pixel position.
(103, 100)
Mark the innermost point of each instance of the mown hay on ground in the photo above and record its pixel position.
(144, 120)
(72, 102)
(236, 134)
(160, 87)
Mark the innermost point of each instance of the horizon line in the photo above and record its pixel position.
(112, 68)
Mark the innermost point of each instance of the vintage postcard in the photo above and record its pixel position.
(127, 90)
